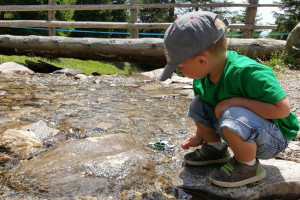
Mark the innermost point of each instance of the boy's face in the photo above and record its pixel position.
(193, 68)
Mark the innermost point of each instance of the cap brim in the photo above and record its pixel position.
(168, 71)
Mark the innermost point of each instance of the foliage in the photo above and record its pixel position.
(100, 15)
(277, 61)
(156, 15)
(221, 11)
(287, 20)
(60, 15)
(235, 18)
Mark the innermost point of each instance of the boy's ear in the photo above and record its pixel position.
(201, 59)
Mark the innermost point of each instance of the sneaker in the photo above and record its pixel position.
(235, 174)
(208, 154)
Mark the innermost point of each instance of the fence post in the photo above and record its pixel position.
(51, 16)
(250, 18)
(133, 19)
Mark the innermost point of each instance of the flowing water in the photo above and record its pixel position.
(101, 105)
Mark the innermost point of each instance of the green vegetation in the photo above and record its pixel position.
(86, 66)
(277, 61)
(287, 19)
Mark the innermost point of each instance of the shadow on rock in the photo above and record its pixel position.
(280, 183)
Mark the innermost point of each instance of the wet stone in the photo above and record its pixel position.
(149, 87)
(4, 120)
(26, 117)
(109, 164)
(8, 161)
(165, 96)
(22, 143)
(2, 92)
(49, 136)
(4, 108)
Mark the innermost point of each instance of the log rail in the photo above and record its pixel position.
(141, 50)
(145, 50)
(134, 25)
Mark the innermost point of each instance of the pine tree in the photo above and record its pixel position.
(287, 20)
(38, 15)
(168, 15)
(100, 15)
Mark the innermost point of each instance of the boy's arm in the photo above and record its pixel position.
(277, 110)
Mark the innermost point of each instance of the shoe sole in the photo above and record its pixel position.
(195, 163)
(239, 183)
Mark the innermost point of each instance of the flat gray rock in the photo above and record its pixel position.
(282, 180)
(68, 72)
(49, 136)
(12, 67)
(155, 74)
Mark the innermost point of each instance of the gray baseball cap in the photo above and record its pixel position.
(187, 36)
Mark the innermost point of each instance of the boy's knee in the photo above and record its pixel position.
(233, 113)
(236, 120)
(202, 112)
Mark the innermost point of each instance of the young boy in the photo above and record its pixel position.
(236, 99)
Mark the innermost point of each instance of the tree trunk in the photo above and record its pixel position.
(144, 50)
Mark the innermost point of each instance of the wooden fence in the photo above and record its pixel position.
(133, 25)
(138, 50)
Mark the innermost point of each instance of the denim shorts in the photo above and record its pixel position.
(245, 123)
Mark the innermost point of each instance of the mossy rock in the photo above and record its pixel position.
(293, 46)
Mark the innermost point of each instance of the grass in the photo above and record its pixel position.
(86, 66)
(276, 62)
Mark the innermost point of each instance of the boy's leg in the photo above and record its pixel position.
(203, 134)
(205, 120)
(243, 151)
(249, 136)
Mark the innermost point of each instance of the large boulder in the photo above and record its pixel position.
(293, 46)
(282, 182)
(99, 167)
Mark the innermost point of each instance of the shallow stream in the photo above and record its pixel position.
(101, 105)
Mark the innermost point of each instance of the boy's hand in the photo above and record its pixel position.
(193, 141)
(222, 106)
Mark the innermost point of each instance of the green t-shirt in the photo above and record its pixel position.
(244, 77)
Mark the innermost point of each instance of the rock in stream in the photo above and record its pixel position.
(102, 167)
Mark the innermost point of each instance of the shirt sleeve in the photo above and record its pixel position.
(259, 82)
